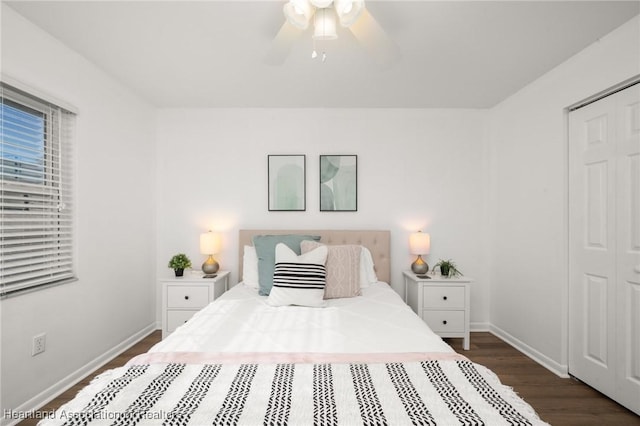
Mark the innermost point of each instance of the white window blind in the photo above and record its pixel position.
(36, 203)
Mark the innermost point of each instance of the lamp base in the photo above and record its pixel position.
(210, 266)
(419, 266)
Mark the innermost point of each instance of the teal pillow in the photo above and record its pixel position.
(266, 250)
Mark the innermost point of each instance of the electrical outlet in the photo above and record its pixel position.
(39, 344)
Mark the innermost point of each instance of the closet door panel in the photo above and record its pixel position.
(628, 250)
(592, 293)
(604, 246)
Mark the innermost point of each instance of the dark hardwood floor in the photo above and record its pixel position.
(560, 402)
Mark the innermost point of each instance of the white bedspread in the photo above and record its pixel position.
(242, 362)
(241, 321)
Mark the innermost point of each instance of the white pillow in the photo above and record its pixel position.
(250, 267)
(367, 270)
(298, 280)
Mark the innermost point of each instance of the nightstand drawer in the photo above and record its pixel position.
(444, 297)
(445, 321)
(177, 318)
(184, 296)
(443, 303)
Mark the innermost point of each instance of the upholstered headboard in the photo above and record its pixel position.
(378, 242)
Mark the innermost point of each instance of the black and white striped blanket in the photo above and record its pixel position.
(430, 391)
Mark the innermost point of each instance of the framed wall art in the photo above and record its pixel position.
(338, 183)
(287, 181)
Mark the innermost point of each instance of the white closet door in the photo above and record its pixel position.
(628, 221)
(604, 246)
(592, 295)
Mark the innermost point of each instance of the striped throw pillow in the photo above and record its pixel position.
(298, 280)
(299, 275)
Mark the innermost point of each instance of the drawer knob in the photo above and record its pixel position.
(444, 322)
(444, 298)
(186, 298)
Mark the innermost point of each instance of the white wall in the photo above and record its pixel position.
(114, 297)
(490, 187)
(528, 166)
(417, 169)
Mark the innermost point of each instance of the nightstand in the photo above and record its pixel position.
(443, 303)
(184, 296)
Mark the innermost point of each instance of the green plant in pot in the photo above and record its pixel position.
(179, 263)
(448, 268)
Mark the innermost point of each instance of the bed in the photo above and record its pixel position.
(360, 357)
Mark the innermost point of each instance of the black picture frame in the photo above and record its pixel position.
(286, 178)
(338, 183)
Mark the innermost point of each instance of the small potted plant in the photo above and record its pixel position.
(447, 268)
(179, 263)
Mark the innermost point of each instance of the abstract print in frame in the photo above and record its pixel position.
(287, 181)
(338, 183)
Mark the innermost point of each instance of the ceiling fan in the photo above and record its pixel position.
(351, 14)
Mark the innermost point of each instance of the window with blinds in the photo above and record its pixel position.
(36, 203)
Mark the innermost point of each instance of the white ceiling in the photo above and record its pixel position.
(455, 54)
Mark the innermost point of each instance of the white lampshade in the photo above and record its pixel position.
(298, 13)
(419, 243)
(349, 11)
(325, 25)
(210, 243)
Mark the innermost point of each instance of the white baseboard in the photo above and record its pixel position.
(479, 326)
(44, 397)
(558, 369)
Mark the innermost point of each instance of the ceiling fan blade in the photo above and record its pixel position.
(282, 44)
(375, 40)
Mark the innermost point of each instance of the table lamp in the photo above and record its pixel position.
(419, 244)
(210, 245)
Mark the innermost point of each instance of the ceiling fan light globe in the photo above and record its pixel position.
(324, 24)
(349, 11)
(321, 3)
(298, 13)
